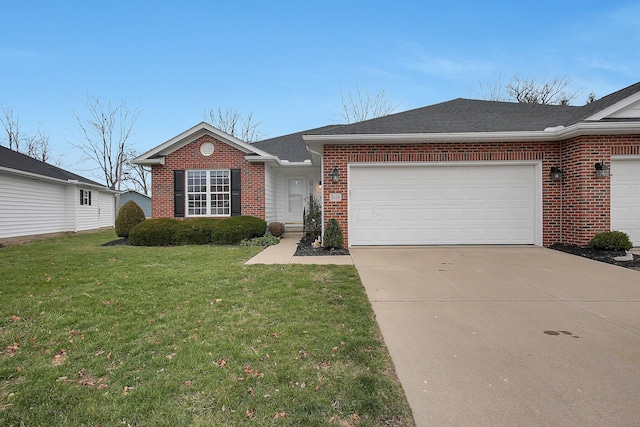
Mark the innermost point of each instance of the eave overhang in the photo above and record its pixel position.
(315, 143)
(39, 177)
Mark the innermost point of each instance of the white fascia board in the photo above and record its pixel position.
(276, 160)
(603, 114)
(148, 162)
(191, 135)
(400, 138)
(55, 180)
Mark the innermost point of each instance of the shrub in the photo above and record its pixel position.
(195, 231)
(276, 228)
(312, 217)
(129, 215)
(266, 240)
(232, 231)
(611, 241)
(333, 238)
(155, 232)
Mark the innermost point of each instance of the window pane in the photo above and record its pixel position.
(208, 193)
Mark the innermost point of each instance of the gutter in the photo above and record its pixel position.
(314, 142)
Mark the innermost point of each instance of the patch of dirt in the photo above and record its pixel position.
(118, 242)
(305, 248)
(600, 255)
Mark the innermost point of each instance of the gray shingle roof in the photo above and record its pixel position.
(472, 115)
(459, 115)
(290, 147)
(464, 115)
(14, 160)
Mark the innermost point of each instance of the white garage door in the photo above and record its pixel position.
(437, 205)
(625, 197)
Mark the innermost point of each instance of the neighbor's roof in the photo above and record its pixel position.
(20, 162)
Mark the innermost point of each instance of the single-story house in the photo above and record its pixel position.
(460, 172)
(37, 198)
(140, 199)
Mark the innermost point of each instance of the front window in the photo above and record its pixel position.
(209, 193)
(85, 197)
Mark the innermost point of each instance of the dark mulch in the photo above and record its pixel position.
(600, 255)
(305, 248)
(118, 242)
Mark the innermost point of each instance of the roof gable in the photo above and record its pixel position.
(157, 154)
(13, 160)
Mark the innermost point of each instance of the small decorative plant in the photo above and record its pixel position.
(312, 217)
(611, 241)
(333, 238)
(276, 228)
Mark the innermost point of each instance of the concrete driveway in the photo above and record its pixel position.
(508, 335)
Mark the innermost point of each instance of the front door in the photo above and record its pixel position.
(297, 193)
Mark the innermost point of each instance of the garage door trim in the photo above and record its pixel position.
(618, 223)
(537, 214)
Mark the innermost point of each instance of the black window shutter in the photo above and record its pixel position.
(81, 197)
(89, 198)
(236, 205)
(178, 194)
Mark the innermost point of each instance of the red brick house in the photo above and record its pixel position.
(460, 172)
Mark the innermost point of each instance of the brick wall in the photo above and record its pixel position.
(586, 201)
(572, 210)
(223, 157)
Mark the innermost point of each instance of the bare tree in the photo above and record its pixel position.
(105, 130)
(359, 106)
(530, 91)
(138, 176)
(36, 145)
(232, 122)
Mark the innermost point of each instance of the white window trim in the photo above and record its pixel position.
(208, 193)
(85, 197)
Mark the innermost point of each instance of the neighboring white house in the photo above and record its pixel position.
(37, 198)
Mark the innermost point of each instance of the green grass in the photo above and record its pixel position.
(108, 336)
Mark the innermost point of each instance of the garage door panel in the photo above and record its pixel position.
(484, 204)
(625, 197)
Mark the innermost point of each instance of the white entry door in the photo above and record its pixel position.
(297, 193)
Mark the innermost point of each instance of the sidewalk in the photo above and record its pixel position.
(282, 253)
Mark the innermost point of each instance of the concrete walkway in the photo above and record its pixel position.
(282, 253)
(508, 335)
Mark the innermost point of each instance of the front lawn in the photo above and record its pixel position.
(188, 335)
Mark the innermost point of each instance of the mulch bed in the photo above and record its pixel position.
(599, 255)
(305, 248)
(118, 242)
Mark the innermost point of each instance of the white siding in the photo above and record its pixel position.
(106, 209)
(87, 215)
(29, 206)
(312, 175)
(269, 194)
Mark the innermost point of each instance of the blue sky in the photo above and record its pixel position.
(285, 61)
